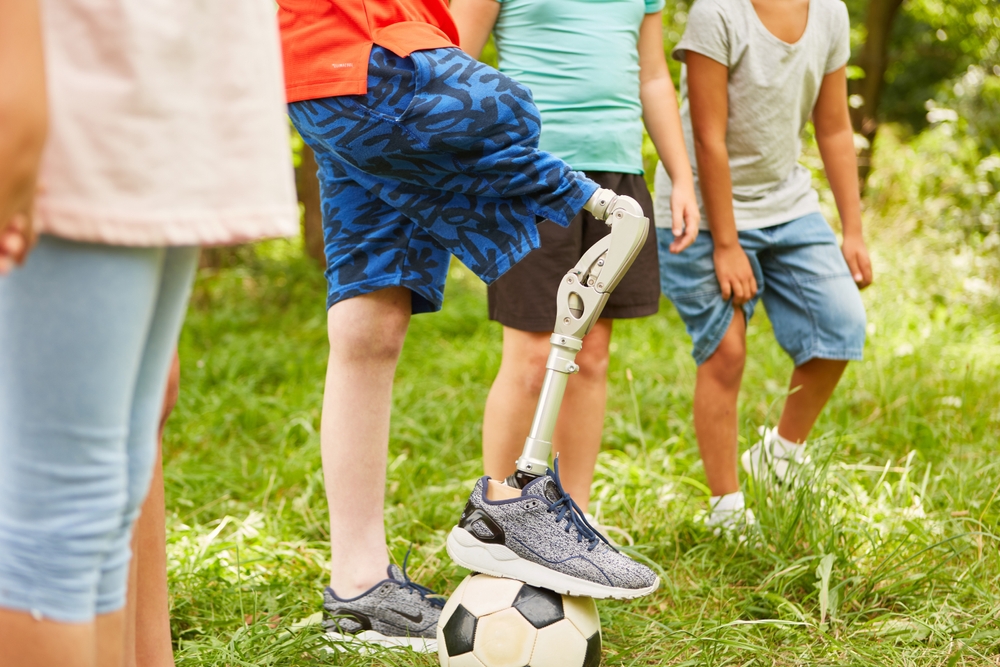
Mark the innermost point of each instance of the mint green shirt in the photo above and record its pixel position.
(580, 58)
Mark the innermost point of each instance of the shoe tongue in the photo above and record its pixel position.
(396, 574)
(544, 487)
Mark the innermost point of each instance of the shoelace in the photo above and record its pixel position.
(435, 599)
(571, 513)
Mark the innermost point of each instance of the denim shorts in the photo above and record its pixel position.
(811, 299)
(439, 158)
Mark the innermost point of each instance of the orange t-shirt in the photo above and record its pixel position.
(326, 43)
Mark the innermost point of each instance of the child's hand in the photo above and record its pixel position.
(736, 278)
(856, 254)
(16, 239)
(686, 216)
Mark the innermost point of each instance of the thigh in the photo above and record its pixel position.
(688, 279)
(811, 299)
(176, 277)
(638, 294)
(460, 160)
(370, 244)
(73, 325)
(525, 297)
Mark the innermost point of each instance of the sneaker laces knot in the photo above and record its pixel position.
(567, 510)
(427, 594)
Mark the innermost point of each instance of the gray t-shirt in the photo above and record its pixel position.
(772, 89)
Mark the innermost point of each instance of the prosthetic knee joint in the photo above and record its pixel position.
(582, 295)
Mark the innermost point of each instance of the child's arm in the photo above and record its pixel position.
(663, 122)
(23, 123)
(708, 96)
(474, 20)
(835, 138)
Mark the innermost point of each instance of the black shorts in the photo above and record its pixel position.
(524, 298)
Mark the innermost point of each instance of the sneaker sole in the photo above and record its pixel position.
(499, 561)
(372, 639)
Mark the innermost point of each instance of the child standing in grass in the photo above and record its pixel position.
(755, 72)
(166, 132)
(597, 71)
(423, 153)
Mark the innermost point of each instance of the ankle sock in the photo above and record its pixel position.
(730, 502)
(784, 448)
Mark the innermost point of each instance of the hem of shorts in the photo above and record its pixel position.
(182, 228)
(701, 353)
(833, 355)
(375, 285)
(57, 614)
(538, 326)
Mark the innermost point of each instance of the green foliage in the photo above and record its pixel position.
(933, 42)
(891, 558)
(940, 186)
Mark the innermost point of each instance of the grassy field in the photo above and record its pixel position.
(892, 559)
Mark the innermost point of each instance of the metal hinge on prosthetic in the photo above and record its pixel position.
(582, 295)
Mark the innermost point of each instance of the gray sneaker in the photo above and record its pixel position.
(393, 612)
(543, 539)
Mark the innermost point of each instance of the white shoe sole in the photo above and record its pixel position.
(370, 639)
(499, 561)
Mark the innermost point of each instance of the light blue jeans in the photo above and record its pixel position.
(802, 278)
(86, 338)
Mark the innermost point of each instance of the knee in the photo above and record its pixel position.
(593, 362)
(524, 369)
(727, 362)
(532, 371)
(370, 337)
(364, 342)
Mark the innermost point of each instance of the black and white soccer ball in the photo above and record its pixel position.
(492, 622)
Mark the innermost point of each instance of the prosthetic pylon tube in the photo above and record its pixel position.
(582, 295)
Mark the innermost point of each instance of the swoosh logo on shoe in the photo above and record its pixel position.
(419, 618)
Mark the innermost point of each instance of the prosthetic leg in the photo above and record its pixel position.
(582, 295)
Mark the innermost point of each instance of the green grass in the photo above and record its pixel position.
(894, 559)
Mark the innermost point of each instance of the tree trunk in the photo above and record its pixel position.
(874, 61)
(307, 186)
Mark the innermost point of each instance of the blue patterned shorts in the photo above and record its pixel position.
(440, 157)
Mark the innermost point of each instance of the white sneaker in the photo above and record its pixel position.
(764, 463)
(729, 515)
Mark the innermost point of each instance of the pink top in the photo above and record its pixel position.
(167, 123)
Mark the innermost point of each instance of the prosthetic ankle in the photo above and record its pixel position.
(583, 293)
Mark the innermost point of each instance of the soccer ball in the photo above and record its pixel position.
(492, 622)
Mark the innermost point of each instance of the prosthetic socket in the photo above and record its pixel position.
(582, 295)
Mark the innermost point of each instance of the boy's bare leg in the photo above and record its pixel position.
(27, 642)
(147, 633)
(366, 337)
(513, 397)
(110, 630)
(716, 392)
(812, 385)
